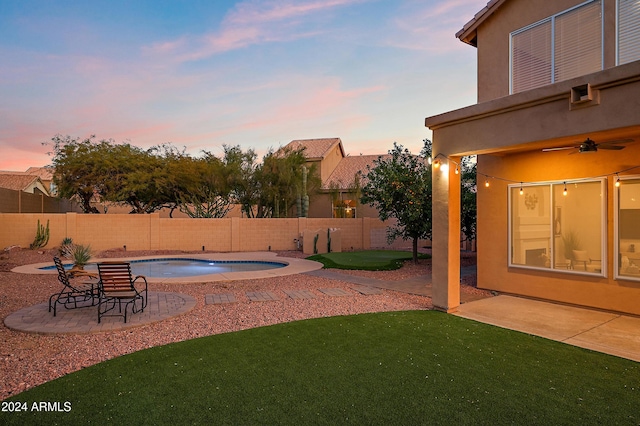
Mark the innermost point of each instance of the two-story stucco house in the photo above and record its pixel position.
(341, 177)
(557, 134)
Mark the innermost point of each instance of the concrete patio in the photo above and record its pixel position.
(606, 332)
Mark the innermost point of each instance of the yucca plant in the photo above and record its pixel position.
(66, 247)
(80, 255)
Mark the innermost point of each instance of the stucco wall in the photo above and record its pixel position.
(493, 271)
(542, 117)
(330, 162)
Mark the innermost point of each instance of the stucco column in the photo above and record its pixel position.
(446, 237)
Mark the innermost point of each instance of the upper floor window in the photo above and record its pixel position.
(563, 46)
(628, 31)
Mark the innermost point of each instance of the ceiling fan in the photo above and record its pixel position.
(590, 146)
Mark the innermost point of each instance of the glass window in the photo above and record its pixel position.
(344, 209)
(566, 45)
(578, 42)
(531, 58)
(531, 226)
(628, 31)
(628, 229)
(558, 226)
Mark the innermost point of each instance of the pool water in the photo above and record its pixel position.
(179, 267)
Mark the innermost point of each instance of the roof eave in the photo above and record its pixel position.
(469, 33)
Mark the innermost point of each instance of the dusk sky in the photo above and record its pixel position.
(255, 73)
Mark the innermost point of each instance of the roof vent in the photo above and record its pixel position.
(583, 96)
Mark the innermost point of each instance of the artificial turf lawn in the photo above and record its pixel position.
(414, 367)
(369, 260)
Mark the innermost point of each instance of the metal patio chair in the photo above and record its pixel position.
(117, 287)
(73, 295)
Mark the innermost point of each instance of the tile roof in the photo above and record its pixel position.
(17, 182)
(315, 148)
(44, 173)
(344, 174)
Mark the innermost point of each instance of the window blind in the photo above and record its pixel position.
(578, 41)
(531, 57)
(628, 31)
(564, 46)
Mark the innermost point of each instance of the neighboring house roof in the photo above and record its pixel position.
(20, 182)
(44, 173)
(468, 33)
(316, 149)
(343, 175)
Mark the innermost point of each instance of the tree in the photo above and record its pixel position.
(280, 178)
(269, 189)
(469, 189)
(399, 187)
(208, 196)
(146, 180)
(242, 178)
(165, 177)
(80, 168)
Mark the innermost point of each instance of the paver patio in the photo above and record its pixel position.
(37, 318)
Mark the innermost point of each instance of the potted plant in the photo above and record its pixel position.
(570, 242)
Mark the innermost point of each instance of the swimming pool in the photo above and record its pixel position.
(186, 267)
(256, 265)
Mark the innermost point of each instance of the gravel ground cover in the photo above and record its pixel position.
(28, 359)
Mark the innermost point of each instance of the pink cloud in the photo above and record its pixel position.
(324, 100)
(251, 12)
(250, 23)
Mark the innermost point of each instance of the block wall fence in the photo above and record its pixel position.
(24, 202)
(151, 232)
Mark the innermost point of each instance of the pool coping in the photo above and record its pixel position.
(292, 266)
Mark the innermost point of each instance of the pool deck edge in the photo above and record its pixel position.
(293, 266)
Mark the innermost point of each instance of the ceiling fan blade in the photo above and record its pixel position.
(562, 148)
(617, 142)
(611, 147)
